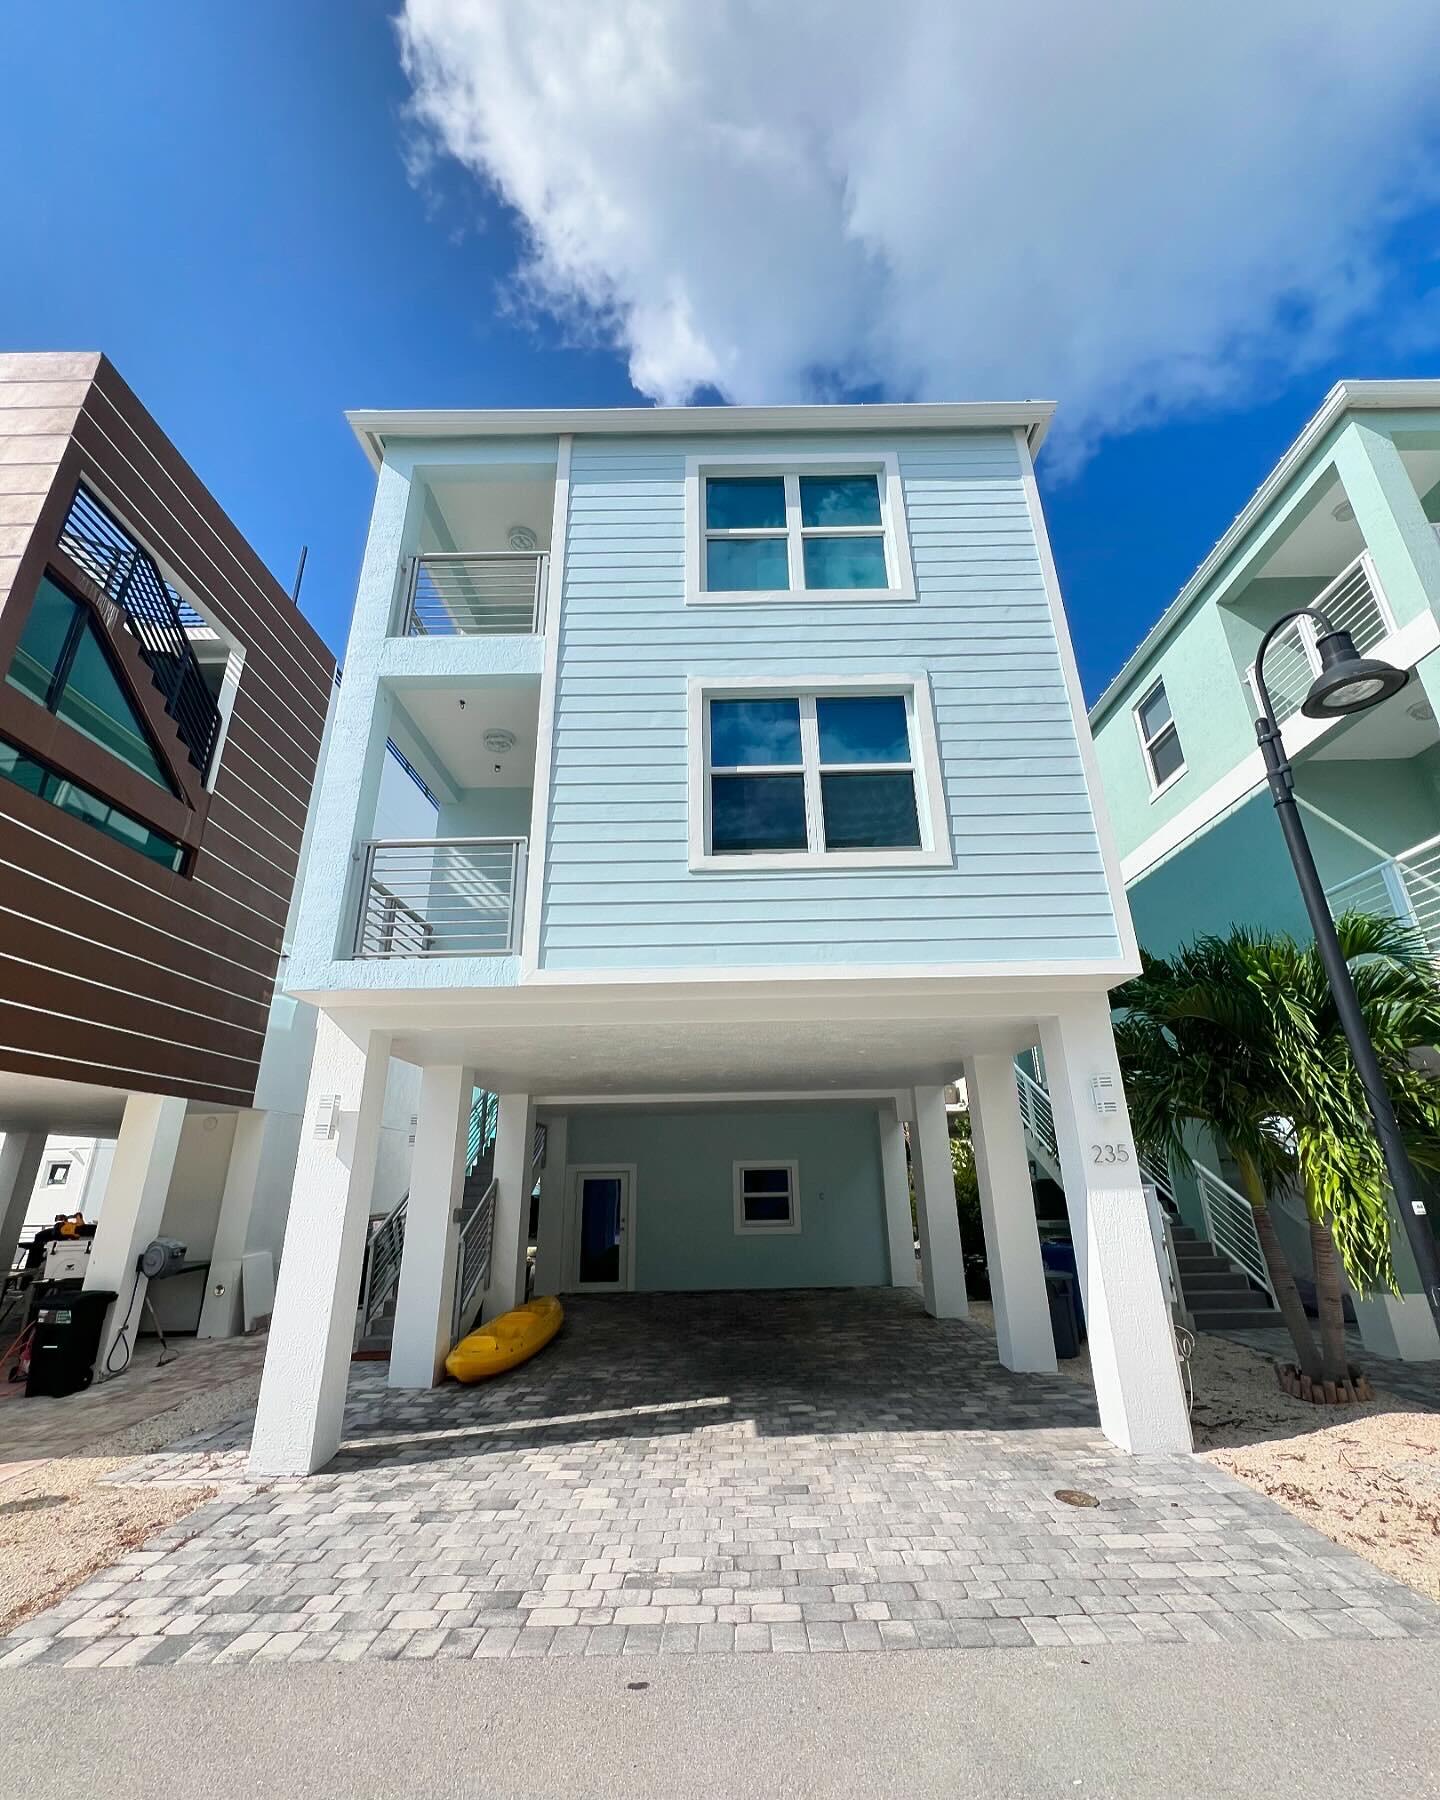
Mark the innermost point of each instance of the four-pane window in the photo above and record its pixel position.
(794, 533)
(812, 773)
(1159, 738)
(767, 1197)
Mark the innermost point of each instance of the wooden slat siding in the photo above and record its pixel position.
(133, 976)
(1028, 883)
(61, 856)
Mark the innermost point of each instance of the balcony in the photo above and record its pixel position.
(1405, 887)
(476, 593)
(441, 897)
(1355, 602)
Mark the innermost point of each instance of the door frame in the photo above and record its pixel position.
(575, 1173)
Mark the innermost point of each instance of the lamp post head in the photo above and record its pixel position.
(1348, 682)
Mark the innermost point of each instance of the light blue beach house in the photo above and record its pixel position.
(766, 807)
(1347, 521)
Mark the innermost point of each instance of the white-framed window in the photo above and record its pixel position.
(828, 773)
(1159, 739)
(57, 1174)
(782, 530)
(767, 1198)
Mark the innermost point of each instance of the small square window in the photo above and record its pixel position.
(57, 1174)
(767, 1197)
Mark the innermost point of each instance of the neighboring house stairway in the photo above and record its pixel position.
(1221, 1274)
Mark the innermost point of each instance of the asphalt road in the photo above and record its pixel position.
(1317, 1719)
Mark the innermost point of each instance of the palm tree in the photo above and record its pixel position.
(1341, 1167)
(1195, 1049)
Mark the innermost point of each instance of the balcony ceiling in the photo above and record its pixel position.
(456, 734)
(1391, 733)
(1321, 545)
(477, 512)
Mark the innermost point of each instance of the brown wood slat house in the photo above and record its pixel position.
(144, 883)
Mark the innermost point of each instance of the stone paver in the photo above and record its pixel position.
(726, 1473)
(1418, 1383)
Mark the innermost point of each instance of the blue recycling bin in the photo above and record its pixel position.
(1059, 1258)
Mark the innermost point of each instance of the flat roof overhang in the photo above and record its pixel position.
(373, 428)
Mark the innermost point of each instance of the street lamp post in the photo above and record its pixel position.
(1347, 683)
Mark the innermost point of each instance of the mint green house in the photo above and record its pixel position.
(1348, 519)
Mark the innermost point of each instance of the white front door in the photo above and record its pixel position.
(601, 1231)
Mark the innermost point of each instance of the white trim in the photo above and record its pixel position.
(893, 530)
(1129, 959)
(575, 1173)
(935, 848)
(1345, 396)
(1407, 647)
(372, 427)
(545, 723)
(1147, 745)
(744, 1227)
(727, 1097)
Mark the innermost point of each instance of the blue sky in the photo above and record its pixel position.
(218, 198)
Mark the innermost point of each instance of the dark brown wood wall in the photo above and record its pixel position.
(113, 970)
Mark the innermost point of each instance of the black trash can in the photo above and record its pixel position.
(66, 1341)
(1064, 1315)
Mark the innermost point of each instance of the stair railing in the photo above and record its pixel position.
(474, 1246)
(382, 1272)
(1036, 1113)
(1230, 1227)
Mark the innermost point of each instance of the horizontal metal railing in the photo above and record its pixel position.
(1405, 887)
(476, 593)
(382, 1270)
(1355, 602)
(1230, 1227)
(474, 1246)
(441, 897)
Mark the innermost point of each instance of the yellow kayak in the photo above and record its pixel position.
(512, 1338)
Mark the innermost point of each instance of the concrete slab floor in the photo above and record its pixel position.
(711, 1474)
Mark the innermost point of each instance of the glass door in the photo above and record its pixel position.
(602, 1203)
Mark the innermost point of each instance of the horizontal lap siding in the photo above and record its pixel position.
(1028, 882)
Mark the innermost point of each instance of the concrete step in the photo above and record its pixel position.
(1207, 1264)
(1211, 1280)
(1237, 1298)
(1224, 1318)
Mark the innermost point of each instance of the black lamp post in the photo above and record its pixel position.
(1347, 683)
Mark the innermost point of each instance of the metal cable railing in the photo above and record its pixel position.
(382, 1271)
(154, 613)
(468, 593)
(1355, 602)
(441, 897)
(474, 1246)
(1230, 1227)
(1405, 886)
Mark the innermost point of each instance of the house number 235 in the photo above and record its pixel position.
(1110, 1153)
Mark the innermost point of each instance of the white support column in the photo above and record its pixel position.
(1132, 1342)
(550, 1250)
(514, 1179)
(133, 1213)
(899, 1220)
(1007, 1209)
(942, 1261)
(312, 1331)
(20, 1154)
(222, 1313)
(1402, 542)
(426, 1296)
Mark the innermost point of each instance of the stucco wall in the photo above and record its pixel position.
(683, 1205)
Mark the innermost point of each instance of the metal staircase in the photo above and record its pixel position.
(1222, 1276)
(473, 1241)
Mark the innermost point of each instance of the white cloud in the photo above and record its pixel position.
(1133, 208)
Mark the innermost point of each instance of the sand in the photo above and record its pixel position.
(61, 1523)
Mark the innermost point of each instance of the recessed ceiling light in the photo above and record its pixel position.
(497, 740)
(1421, 710)
(1344, 513)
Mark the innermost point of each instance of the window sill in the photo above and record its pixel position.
(1166, 785)
(803, 597)
(881, 860)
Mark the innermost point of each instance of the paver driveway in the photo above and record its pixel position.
(795, 1471)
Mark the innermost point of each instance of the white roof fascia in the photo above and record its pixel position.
(1345, 396)
(373, 428)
